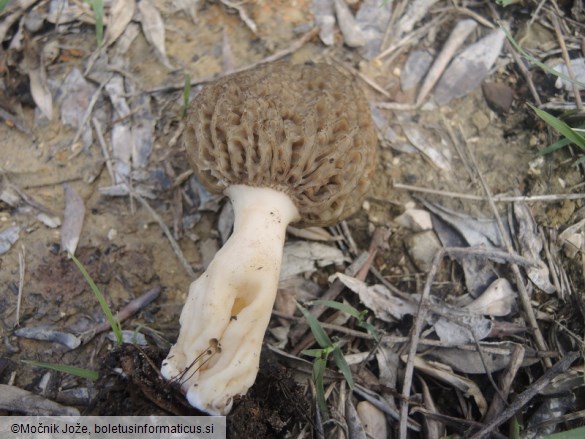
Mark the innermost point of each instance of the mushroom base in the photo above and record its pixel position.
(223, 322)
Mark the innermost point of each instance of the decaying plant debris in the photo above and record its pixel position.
(464, 265)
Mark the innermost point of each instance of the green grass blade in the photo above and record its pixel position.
(98, 10)
(371, 330)
(343, 366)
(561, 127)
(3, 4)
(577, 433)
(318, 373)
(315, 353)
(343, 307)
(71, 370)
(317, 330)
(536, 62)
(555, 146)
(579, 161)
(114, 323)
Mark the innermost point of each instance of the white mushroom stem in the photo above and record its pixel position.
(223, 322)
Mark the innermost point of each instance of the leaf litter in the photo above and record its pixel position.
(464, 330)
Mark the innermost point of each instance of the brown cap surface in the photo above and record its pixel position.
(305, 130)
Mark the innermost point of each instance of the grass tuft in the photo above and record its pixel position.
(71, 370)
(114, 323)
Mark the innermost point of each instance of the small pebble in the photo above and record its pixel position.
(498, 96)
(480, 120)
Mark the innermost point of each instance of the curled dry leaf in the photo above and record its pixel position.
(19, 400)
(377, 298)
(498, 300)
(433, 428)
(8, 237)
(571, 239)
(373, 420)
(456, 39)
(354, 425)
(421, 138)
(77, 94)
(416, 11)
(48, 333)
(447, 376)
(121, 13)
(416, 67)
(142, 127)
(416, 220)
(72, 219)
(496, 356)
(531, 245)
(32, 64)
(352, 33)
(372, 18)
(578, 67)
(153, 28)
(462, 328)
(303, 256)
(468, 70)
(324, 13)
(121, 130)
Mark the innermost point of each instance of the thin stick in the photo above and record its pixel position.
(88, 111)
(100, 135)
(526, 396)
(21, 270)
(523, 293)
(130, 309)
(419, 322)
(274, 57)
(166, 231)
(567, 60)
(497, 198)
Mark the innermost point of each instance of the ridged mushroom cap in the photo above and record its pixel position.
(305, 130)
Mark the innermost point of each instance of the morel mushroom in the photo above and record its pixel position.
(287, 144)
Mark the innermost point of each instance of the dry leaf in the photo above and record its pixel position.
(497, 301)
(72, 219)
(468, 70)
(355, 428)
(530, 246)
(377, 298)
(120, 16)
(417, 10)
(372, 18)
(352, 34)
(303, 256)
(373, 420)
(48, 333)
(122, 141)
(447, 376)
(8, 237)
(496, 356)
(422, 140)
(153, 28)
(15, 399)
(323, 11)
(457, 330)
(33, 65)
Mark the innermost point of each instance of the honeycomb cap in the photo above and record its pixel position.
(305, 130)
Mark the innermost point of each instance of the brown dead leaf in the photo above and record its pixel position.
(72, 219)
(153, 28)
(121, 14)
(32, 64)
